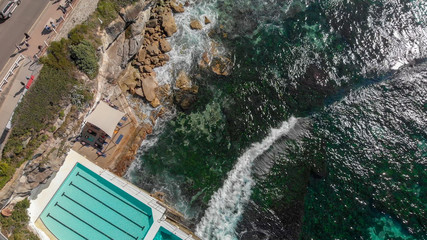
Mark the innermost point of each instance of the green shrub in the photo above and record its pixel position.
(16, 225)
(57, 56)
(4, 168)
(78, 33)
(106, 11)
(84, 55)
(61, 114)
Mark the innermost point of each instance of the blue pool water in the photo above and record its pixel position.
(87, 206)
(164, 234)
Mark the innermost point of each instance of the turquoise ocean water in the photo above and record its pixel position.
(319, 132)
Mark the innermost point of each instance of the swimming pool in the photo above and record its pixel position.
(87, 206)
(164, 234)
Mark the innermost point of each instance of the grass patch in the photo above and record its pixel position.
(16, 225)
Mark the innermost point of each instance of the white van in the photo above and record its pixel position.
(9, 8)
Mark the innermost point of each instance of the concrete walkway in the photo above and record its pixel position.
(40, 38)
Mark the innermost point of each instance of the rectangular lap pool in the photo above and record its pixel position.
(87, 206)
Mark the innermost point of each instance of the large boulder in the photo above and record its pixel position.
(149, 85)
(165, 45)
(168, 23)
(177, 8)
(196, 25)
(153, 49)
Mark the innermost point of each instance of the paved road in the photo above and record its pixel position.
(12, 30)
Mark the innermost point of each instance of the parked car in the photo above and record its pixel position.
(9, 8)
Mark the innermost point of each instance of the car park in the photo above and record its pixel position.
(8, 8)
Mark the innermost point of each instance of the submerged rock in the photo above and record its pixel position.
(182, 81)
(221, 65)
(185, 99)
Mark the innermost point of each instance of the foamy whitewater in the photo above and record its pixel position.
(188, 45)
(227, 204)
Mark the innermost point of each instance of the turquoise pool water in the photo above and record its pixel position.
(87, 206)
(164, 234)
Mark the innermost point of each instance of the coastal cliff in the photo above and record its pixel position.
(123, 41)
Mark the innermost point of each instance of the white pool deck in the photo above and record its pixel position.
(39, 202)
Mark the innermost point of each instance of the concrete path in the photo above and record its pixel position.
(15, 87)
(12, 30)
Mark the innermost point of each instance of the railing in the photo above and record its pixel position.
(10, 72)
(49, 39)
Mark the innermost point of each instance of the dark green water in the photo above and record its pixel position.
(353, 167)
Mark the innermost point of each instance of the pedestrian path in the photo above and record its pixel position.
(31, 48)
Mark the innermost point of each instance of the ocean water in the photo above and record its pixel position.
(319, 131)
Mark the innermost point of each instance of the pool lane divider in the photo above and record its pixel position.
(106, 205)
(90, 225)
(49, 215)
(130, 205)
(94, 213)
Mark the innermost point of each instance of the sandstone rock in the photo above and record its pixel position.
(136, 63)
(204, 62)
(154, 60)
(147, 61)
(153, 50)
(182, 81)
(168, 24)
(149, 86)
(155, 103)
(207, 21)
(153, 121)
(6, 212)
(138, 91)
(194, 89)
(161, 112)
(152, 23)
(165, 46)
(221, 66)
(177, 8)
(147, 69)
(142, 54)
(164, 57)
(163, 92)
(196, 25)
(130, 82)
(150, 31)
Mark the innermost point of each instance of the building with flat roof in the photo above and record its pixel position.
(84, 201)
(102, 123)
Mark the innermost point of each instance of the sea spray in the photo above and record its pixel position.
(226, 205)
(188, 45)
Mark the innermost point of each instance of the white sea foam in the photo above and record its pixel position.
(227, 204)
(188, 45)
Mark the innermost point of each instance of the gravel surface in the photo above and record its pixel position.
(80, 13)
